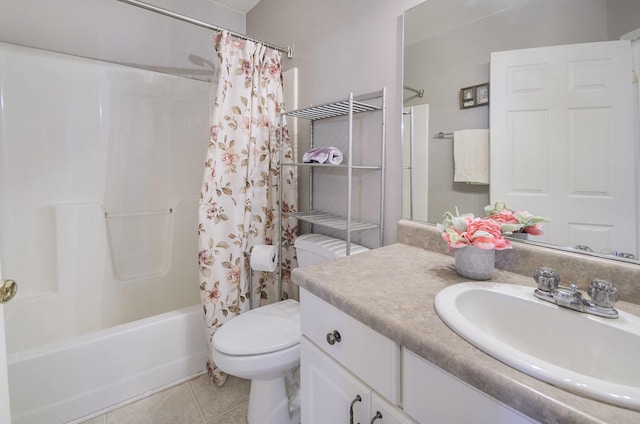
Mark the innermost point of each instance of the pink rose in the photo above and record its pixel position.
(504, 217)
(486, 234)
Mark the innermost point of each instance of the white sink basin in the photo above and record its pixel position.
(593, 356)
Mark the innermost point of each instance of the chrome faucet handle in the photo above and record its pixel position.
(568, 297)
(603, 293)
(547, 279)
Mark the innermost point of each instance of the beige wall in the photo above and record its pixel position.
(344, 46)
(623, 16)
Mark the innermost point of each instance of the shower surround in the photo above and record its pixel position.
(101, 170)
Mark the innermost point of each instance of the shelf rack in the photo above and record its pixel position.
(331, 110)
(370, 102)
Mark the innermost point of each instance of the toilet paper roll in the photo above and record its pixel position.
(264, 258)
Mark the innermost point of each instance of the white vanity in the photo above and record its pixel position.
(366, 377)
(374, 343)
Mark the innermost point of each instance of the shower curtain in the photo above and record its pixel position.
(239, 201)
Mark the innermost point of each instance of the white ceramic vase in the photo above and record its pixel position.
(474, 263)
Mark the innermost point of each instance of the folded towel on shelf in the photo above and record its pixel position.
(471, 156)
(328, 155)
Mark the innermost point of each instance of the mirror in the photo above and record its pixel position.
(447, 47)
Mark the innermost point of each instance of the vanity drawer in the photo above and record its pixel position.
(368, 354)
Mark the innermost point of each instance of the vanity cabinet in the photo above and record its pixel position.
(331, 394)
(349, 373)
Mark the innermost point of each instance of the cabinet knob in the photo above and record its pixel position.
(353, 402)
(376, 417)
(334, 337)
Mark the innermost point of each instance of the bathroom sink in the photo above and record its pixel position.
(589, 355)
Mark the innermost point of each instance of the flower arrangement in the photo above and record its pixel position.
(466, 230)
(515, 221)
(488, 232)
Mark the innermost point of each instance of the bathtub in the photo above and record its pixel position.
(99, 229)
(64, 382)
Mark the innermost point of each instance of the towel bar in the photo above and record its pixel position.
(441, 135)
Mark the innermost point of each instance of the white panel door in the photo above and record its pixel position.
(562, 142)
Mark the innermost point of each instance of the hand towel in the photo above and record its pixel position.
(471, 156)
(329, 155)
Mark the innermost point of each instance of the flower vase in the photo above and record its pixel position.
(474, 263)
(521, 236)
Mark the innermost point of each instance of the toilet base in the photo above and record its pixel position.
(269, 404)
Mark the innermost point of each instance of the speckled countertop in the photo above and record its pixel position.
(392, 289)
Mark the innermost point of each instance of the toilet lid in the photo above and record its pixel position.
(262, 330)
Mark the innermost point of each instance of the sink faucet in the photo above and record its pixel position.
(603, 294)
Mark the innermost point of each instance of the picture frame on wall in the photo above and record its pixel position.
(474, 96)
(467, 97)
(482, 94)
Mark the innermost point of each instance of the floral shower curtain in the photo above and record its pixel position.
(239, 200)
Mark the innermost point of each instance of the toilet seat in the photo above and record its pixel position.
(262, 330)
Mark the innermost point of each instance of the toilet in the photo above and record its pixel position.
(263, 345)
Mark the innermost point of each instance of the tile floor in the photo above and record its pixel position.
(197, 401)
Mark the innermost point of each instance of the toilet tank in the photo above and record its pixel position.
(316, 248)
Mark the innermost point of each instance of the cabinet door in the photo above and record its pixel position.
(328, 390)
(433, 396)
(389, 414)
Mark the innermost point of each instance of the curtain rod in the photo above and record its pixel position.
(288, 49)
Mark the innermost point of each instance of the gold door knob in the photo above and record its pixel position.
(8, 289)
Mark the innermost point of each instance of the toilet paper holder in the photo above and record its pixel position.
(262, 258)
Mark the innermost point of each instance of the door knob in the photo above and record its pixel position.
(8, 289)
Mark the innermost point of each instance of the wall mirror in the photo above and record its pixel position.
(448, 46)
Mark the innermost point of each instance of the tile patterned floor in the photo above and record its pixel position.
(196, 401)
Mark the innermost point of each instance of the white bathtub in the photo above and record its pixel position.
(99, 229)
(64, 382)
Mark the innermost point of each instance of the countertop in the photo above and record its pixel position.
(392, 289)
